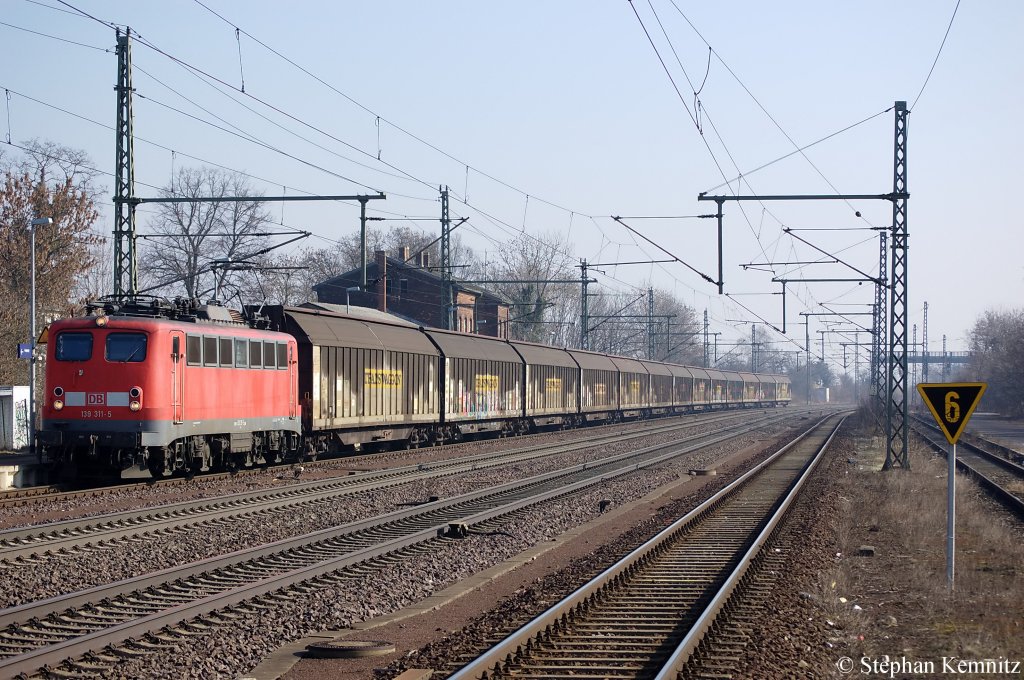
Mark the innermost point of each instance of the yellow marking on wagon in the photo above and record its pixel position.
(386, 378)
(486, 383)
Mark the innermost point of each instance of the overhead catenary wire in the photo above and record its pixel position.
(197, 71)
(937, 55)
(525, 194)
(384, 119)
(746, 89)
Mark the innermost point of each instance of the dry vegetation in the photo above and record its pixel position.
(897, 603)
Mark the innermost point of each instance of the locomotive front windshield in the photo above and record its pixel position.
(74, 346)
(125, 347)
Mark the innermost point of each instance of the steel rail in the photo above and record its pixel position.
(24, 542)
(30, 661)
(522, 641)
(688, 645)
(42, 608)
(31, 495)
(985, 467)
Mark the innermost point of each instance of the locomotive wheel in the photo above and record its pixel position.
(156, 466)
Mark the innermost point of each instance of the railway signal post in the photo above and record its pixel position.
(952, 405)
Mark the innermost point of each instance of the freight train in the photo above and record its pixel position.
(154, 387)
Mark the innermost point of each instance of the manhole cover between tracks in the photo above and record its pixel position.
(349, 649)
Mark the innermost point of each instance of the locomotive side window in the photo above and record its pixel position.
(255, 353)
(241, 353)
(225, 352)
(74, 346)
(125, 347)
(194, 350)
(209, 351)
(282, 356)
(268, 355)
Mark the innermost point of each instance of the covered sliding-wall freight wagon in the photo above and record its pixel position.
(483, 383)
(661, 381)
(599, 385)
(551, 384)
(363, 381)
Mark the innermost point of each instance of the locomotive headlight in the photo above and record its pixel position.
(58, 405)
(134, 405)
(58, 391)
(102, 320)
(135, 393)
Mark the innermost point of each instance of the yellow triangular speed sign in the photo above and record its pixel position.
(952, 404)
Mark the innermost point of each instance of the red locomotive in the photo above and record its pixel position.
(155, 388)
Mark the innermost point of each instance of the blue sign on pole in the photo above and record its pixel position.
(24, 350)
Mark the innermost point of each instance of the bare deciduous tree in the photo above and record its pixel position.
(186, 240)
(997, 357)
(536, 313)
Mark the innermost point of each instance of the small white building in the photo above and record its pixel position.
(13, 417)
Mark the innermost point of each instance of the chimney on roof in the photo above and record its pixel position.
(425, 259)
(403, 253)
(382, 280)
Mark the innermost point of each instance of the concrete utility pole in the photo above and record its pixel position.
(35, 224)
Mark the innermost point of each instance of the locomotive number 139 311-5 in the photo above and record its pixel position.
(87, 413)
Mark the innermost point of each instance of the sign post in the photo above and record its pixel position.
(952, 405)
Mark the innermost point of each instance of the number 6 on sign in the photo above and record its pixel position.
(952, 404)
(952, 407)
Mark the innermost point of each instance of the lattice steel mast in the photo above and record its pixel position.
(896, 389)
(446, 261)
(126, 277)
(879, 336)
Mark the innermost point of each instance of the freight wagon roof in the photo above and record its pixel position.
(464, 346)
(749, 377)
(732, 376)
(336, 330)
(362, 313)
(657, 368)
(542, 354)
(629, 365)
(592, 360)
(681, 371)
(700, 373)
(715, 375)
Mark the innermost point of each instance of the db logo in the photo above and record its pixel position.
(96, 398)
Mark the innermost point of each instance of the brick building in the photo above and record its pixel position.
(409, 288)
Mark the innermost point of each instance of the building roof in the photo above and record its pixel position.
(393, 264)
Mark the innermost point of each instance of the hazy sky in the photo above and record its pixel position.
(554, 116)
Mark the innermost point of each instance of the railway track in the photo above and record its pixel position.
(152, 613)
(23, 545)
(56, 492)
(1002, 478)
(29, 494)
(646, 615)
